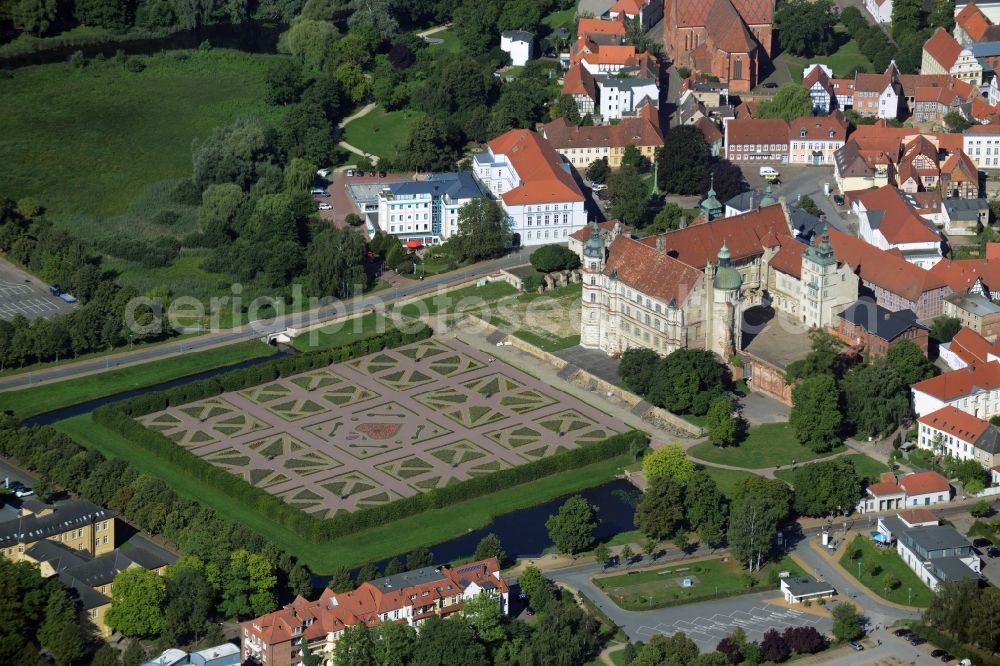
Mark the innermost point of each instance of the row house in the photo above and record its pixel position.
(942, 54)
(276, 639)
(952, 432)
(535, 186)
(933, 103)
(887, 221)
(817, 81)
(878, 95)
(977, 314)
(971, 276)
(649, 12)
(756, 140)
(968, 346)
(583, 145)
(895, 283)
(919, 489)
(982, 144)
(866, 162)
(974, 389)
(624, 93)
(972, 25)
(816, 140)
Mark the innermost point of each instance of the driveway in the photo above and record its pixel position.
(24, 294)
(758, 409)
(799, 181)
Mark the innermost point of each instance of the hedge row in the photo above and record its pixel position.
(319, 530)
(243, 378)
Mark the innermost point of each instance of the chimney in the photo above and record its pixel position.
(886, 316)
(661, 245)
(821, 217)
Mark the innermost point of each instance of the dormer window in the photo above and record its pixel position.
(832, 133)
(802, 133)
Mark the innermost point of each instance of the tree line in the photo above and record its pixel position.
(686, 381)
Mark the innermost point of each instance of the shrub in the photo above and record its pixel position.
(549, 258)
(134, 65)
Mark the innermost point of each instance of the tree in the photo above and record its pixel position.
(983, 627)
(419, 558)
(598, 170)
(667, 219)
(952, 607)
(822, 359)
(366, 573)
(806, 28)
(61, 634)
(34, 16)
(627, 554)
(375, 16)
(394, 643)
(632, 157)
(815, 415)
(637, 368)
(572, 529)
(134, 654)
(890, 582)
(355, 647)
(627, 196)
(482, 612)
(427, 147)
(981, 509)
(683, 161)
(875, 397)
(790, 102)
(906, 17)
(723, 427)
(450, 642)
(807, 204)
(773, 647)
(670, 461)
(706, 508)
(534, 585)
(759, 507)
(942, 14)
(565, 107)
(687, 380)
(393, 567)
(804, 640)
(954, 121)
(520, 15)
(335, 263)
(910, 362)
(308, 658)
(340, 580)
(284, 82)
(827, 486)
(190, 602)
(248, 585)
(660, 512)
(661, 650)
(475, 25)
(43, 488)
(602, 554)
(105, 656)
(943, 329)
(482, 233)
(550, 258)
(726, 178)
(490, 546)
(136, 603)
(846, 622)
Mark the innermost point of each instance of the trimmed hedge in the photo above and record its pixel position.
(120, 418)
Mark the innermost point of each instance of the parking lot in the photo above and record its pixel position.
(754, 618)
(21, 293)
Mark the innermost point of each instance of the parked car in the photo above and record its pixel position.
(838, 199)
(917, 640)
(856, 646)
(937, 653)
(372, 174)
(947, 657)
(769, 173)
(350, 172)
(770, 85)
(529, 610)
(382, 174)
(981, 542)
(324, 172)
(993, 551)
(325, 206)
(19, 489)
(901, 632)
(320, 192)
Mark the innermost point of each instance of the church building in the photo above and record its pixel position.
(729, 39)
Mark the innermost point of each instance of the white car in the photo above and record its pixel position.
(599, 187)
(325, 206)
(323, 173)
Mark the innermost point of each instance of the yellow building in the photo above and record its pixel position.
(583, 145)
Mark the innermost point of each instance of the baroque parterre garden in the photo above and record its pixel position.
(381, 427)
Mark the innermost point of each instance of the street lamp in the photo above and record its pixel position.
(909, 592)
(859, 569)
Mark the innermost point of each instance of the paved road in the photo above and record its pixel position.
(259, 329)
(798, 181)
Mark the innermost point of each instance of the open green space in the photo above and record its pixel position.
(727, 479)
(868, 468)
(342, 332)
(386, 541)
(86, 143)
(843, 61)
(458, 300)
(184, 277)
(449, 41)
(766, 445)
(911, 590)
(381, 132)
(561, 19)
(47, 397)
(713, 578)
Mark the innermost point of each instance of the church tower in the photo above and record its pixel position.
(593, 309)
(826, 285)
(711, 207)
(726, 334)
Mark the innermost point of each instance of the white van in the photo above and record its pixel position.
(769, 173)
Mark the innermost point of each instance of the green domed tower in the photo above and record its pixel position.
(725, 330)
(726, 277)
(768, 199)
(710, 206)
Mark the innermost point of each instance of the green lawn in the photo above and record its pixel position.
(86, 143)
(561, 19)
(868, 468)
(890, 563)
(660, 587)
(47, 397)
(386, 541)
(342, 332)
(727, 479)
(546, 342)
(464, 299)
(843, 61)
(449, 41)
(766, 445)
(380, 132)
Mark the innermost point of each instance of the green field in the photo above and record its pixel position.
(843, 61)
(47, 397)
(86, 143)
(727, 479)
(766, 445)
(561, 19)
(381, 132)
(342, 332)
(449, 41)
(464, 299)
(911, 589)
(386, 541)
(868, 468)
(659, 587)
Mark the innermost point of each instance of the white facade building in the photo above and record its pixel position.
(426, 210)
(519, 45)
(982, 144)
(974, 390)
(880, 10)
(535, 186)
(622, 97)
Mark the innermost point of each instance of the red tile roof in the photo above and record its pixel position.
(594, 26)
(788, 259)
(708, 130)
(886, 485)
(887, 270)
(757, 130)
(695, 13)
(992, 251)
(962, 274)
(579, 81)
(745, 235)
(943, 48)
(655, 273)
(953, 421)
(900, 223)
(817, 75)
(826, 128)
(922, 483)
(642, 130)
(629, 7)
(538, 165)
(960, 163)
(970, 346)
(972, 21)
(958, 383)
(917, 516)
(605, 227)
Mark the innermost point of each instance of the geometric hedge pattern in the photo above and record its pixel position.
(389, 425)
